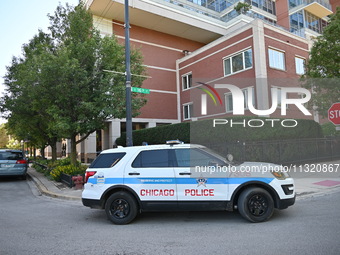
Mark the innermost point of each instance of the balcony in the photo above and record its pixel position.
(319, 8)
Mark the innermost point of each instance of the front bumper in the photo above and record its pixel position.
(285, 203)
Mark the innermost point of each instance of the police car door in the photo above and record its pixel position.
(198, 186)
(152, 177)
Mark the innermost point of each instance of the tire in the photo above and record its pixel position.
(255, 205)
(121, 208)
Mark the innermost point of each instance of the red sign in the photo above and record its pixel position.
(334, 114)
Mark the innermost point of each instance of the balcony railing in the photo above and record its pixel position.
(198, 6)
(204, 6)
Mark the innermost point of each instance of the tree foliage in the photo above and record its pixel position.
(60, 87)
(3, 136)
(323, 67)
(324, 59)
(23, 103)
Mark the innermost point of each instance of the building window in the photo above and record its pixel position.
(229, 102)
(187, 111)
(279, 97)
(266, 5)
(187, 81)
(229, 99)
(294, 3)
(296, 21)
(239, 62)
(276, 59)
(300, 65)
(314, 23)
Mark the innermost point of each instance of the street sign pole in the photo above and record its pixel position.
(129, 141)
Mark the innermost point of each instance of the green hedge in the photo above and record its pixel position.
(203, 132)
(329, 129)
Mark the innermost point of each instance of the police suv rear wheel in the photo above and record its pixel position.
(256, 204)
(121, 208)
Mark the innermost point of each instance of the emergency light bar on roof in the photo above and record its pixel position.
(172, 142)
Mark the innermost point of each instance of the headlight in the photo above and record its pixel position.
(280, 174)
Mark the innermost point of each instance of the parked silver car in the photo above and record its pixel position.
(13, 163)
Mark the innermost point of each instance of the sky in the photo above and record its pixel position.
(20, 20)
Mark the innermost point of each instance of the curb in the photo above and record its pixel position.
(310, 194)
(43, 190)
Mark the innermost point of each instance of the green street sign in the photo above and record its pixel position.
(140, 90)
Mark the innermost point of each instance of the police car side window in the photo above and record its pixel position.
(194, 157)
(152, 158)
(107, 160)
(183, 157)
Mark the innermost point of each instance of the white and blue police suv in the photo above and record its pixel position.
(128, 180)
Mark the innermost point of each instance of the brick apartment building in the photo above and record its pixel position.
(185, 42)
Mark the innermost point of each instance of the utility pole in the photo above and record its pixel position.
(129, 140)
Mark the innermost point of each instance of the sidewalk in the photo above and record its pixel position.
(306, 184)
(53, 189)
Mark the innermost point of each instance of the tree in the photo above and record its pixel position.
(87, 94)
(61, 86)
(242, 8)
(24, 105)
(323, 67)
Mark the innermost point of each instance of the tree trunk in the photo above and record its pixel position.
(54, 151)
(42, 152)
(73, 155)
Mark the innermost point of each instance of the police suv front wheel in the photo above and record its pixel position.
(121, 208)
(255, 204)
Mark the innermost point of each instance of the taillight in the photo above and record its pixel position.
(21, 161)
(88, 174)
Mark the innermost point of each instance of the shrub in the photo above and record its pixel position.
(40, 165)
(203, 132)
(67, 169)
(328, 129)
(159, 135)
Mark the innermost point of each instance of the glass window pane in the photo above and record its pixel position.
(152, 158)
(229, 102)
(184, 82)
(187, 81)
(248, 58)
(276, 59)
(183, 157)
(245, 96)
(107, 160)
(200, 157)
(11, 155)
(227, 67)
(299, 65)
(187, 111)
(237, 63)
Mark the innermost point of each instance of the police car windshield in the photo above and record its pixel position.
(221, 160)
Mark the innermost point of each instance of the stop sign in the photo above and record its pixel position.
(334, 113)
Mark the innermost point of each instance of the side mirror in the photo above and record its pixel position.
(230, 158)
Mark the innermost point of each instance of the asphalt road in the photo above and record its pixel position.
(33, 224)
